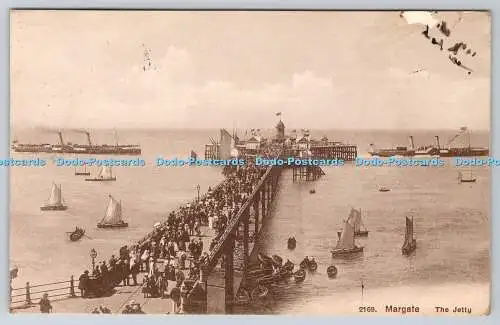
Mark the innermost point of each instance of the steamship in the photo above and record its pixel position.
(89, 148)
(435, 150)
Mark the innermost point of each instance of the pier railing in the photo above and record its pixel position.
(31, 294)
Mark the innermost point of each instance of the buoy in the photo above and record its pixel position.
(332, 271)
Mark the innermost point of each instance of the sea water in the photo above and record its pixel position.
(452, 220)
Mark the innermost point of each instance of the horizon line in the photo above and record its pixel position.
(232, 128)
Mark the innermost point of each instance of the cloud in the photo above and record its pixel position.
(171, 95)
(330, 80)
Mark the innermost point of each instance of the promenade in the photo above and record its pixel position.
(120, 296)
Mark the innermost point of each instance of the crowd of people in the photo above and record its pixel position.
(174, 246)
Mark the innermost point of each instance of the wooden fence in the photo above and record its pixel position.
(31, 294)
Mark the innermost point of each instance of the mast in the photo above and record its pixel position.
(411, 234)
(437, 142)
(120, 215)
(468, 147)
(88, 138)
(361, 224)
(407, 232)
(412, 145)
(61, 141)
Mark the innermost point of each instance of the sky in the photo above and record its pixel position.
(326, 70)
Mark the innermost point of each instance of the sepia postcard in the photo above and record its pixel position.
(250, 162)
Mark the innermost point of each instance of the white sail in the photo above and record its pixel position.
(113, 212)
(105, 172)
(346, 240)
(55, 195)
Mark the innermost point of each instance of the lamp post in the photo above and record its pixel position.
(93, 255)
(198, 188)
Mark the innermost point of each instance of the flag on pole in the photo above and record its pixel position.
(278, 114)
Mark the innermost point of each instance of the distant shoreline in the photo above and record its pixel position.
(79, 129)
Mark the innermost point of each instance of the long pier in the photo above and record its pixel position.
(256, 209)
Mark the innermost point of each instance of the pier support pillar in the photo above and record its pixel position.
(72, 287)
(229, 276)
(268, 189)
(256, 213)
(263, 199)
(204, 280)
(246, 252)
(28, 295)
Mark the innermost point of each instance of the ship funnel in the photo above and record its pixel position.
(61, 138)
(412, 145)
(88, 138)
(372, 148)
(437, 142)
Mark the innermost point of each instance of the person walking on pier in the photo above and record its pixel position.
(175, 295)
(112, 261)
(95, 271)
(145, 260)
(197, 230)
(83, 283)
(45, 305)
(124, 270)
(162, 284)
(179, 277)
(104, 268)
(134, 270)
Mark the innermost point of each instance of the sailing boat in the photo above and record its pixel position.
(345, 245)
(113, 217)
(461, 179)
(105, 175)
(85, 172)
(410, 243)
(357, 222)
(55, 200)
(193, 155)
